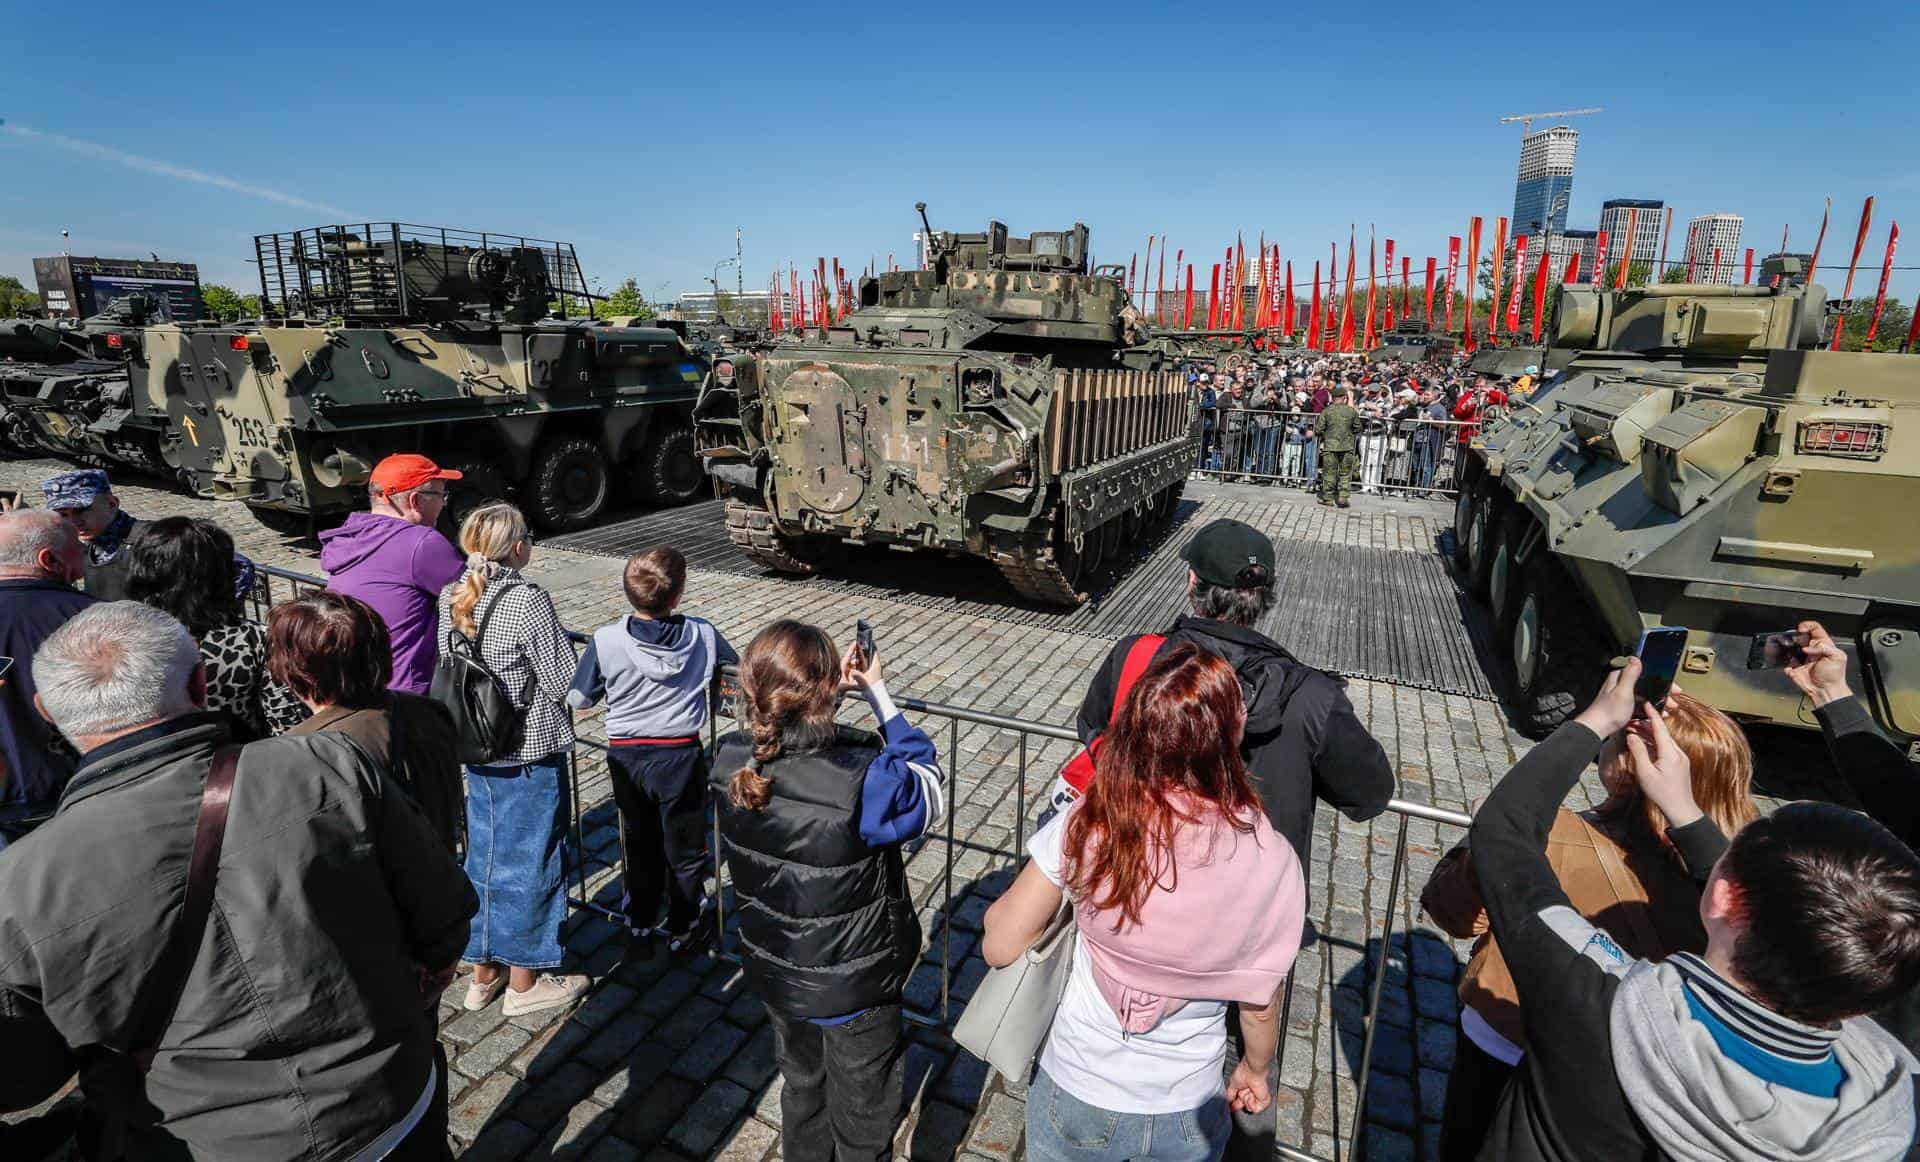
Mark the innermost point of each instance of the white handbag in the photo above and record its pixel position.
(1007, 1020)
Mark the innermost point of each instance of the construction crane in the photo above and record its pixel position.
(1526, 119)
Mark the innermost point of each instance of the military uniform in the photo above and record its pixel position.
(1339, 430)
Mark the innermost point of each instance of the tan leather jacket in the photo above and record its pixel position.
(1616, 874)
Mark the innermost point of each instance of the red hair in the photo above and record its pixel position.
(1172, 756)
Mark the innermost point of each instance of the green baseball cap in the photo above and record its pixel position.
(1220, 552)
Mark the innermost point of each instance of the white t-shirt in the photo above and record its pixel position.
(1175, 1066)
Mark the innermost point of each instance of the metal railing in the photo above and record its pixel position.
(1031, 742)
(1417, 457)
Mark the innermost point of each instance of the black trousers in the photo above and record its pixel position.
(1474, 1087)
(840, 1101)
(661, 792)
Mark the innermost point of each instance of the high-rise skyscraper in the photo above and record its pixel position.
(1648, 224)
(1710, 233)
(1545, 184)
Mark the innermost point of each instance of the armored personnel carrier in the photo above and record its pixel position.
(1411, 340)
(384, 337)
(64, 387)
(1708, 467)
(996, 403)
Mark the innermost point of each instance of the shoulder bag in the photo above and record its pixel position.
(484, 716)
(1078, 772)
(1007, 1020)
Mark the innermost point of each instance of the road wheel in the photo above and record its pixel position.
(569, 487)
(1170, 502)
(1093, 554)
(480, 483)
(1559, 649)
(1503, 576)
(1483, 521)
(667, 473)
(1462, 523)
(753, 531)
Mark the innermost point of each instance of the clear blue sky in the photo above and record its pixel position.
(646, 133)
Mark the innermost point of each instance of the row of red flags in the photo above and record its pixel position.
(826, 296)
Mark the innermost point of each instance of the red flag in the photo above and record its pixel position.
(1573, 268)
(1213, 301)
(1846, 291)
(1693, 258)
(1599, 257)
(1540, 294)
(1626, 252)
(1747, 278)
(1313, 316)
(1430, 269)
(1666, 232)
(1373, 281)
(1913, 330)
(1499, 272)
(1813, 263)
(1880, 299)
(1186, 324)
(1406, 287)
(1473, 265)
(1131, 261)
(1286, 304)
(1388, 325)
(1346, 306)
(1715, 275)
(1519, 279)
(1160, 285)
(1453, 269)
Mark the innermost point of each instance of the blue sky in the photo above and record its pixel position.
(645, 134)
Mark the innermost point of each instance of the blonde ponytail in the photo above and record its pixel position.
(488, 535)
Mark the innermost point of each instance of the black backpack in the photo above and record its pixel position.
(483, 713)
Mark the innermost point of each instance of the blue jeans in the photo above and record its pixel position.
(1310, 460)
(1062, 1128)
(518, 817)
(1261, 450)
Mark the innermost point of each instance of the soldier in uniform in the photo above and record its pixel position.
(85, 498)
(1339, 430)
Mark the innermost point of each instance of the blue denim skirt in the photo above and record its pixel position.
(518, 824)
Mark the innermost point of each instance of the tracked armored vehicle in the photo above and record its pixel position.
(1413, 341)
(996, 403)
(1715, 470)
(65, 388)
(383, 337)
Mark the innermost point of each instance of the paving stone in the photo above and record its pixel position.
(687, 1022)
(551, 1098)
(576, 1133)
(608, 1001)
(669, 992)
(964, 1081)
(468, 1028)
(937, 1132)
(754, 1065)
(749, 1142)
(746, 1011)
(709, 1118)
(1390, 1102)
(999, 1129)
(503, 1141)
(640, 1069)
(647, 1116)
(615, 1043)
(477, 1107)
(709, 1051)
(549, 1050)
(1388, 1145)
(493, 1051)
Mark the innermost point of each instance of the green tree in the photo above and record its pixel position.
(1638, 273)
(228, 305)
(626, 299)
(1894, 321)
(15, 298)
(1675, 273)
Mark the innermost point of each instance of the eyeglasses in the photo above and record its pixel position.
(435, 493)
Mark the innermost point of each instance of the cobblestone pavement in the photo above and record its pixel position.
(673, 1059)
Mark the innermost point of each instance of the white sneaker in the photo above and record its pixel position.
(548, 992)
(479, 996)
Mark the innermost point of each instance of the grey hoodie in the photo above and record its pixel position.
(653, 676)
(1702, 1106)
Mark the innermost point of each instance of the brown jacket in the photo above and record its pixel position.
(428, 766)
(1615, 873)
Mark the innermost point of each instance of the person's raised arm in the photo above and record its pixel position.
(1873, 765)
(903, 795)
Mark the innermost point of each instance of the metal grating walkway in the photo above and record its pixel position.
(1391, 614)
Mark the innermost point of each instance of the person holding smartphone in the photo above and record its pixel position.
(812, 816)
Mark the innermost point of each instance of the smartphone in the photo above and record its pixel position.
(1770, 651)
(1659, 651)
(6, 667)
(863, 640)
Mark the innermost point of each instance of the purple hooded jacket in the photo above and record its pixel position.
(399, 569)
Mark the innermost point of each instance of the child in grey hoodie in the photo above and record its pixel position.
(654, 669)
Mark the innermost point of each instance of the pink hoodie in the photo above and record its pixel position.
(1222, 924)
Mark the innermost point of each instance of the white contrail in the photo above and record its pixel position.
(164, 168)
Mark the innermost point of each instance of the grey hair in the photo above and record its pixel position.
(115, 666)
(26, 533)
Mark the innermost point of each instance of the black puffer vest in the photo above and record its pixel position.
(827, 924)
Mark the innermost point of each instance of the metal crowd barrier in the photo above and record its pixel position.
(1418, 457)
(1400, 891)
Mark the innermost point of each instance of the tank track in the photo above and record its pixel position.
(1038, 580)
(752, 531)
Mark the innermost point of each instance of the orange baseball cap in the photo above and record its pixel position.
(404, 471)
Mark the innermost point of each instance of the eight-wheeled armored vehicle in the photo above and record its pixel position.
(996, 403)
(1703, 463)
(383, 337)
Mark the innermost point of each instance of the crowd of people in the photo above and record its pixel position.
(242, 862)
(1331, 423)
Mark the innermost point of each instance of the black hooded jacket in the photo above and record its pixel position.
(1303, 740)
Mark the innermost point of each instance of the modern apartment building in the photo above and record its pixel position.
(1545, 182)
(1710, 234)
